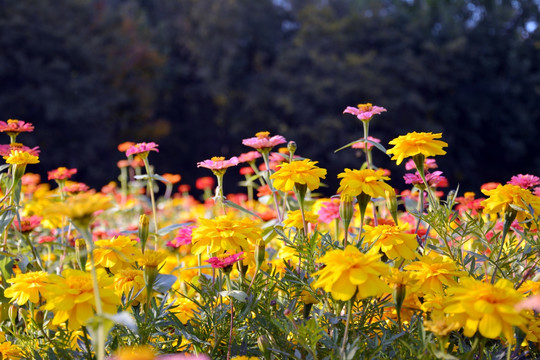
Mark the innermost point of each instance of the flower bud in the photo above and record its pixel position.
(260, 253)
(264, 346)
(346, 211)
(81, 252)
(12, 313)
(391, 204)
(144, 222)
(39, 318)
(291, 146)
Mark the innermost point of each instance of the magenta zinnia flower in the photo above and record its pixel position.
(183, 237)
(13, 126)
(27, 224)
(263, 142)
(142, 148)
(429, 163)
(433, 178)
(62, 173)
(218, 163)
(5, 150)
(524, 181)
(364, 112)
(249, 156)
(329, 211)
(225, 259)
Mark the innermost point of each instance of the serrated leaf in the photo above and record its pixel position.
(241, 208)
(236, 294)
(168, 229)
(163, 283)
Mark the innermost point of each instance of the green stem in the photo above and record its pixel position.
(366, 150)
(509, 217)
(150, 187)
(346, 333)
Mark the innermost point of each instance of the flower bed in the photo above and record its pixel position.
(277, 272)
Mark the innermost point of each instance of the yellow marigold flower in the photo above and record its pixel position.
(303, 172)
(349, 272)
(21, 157)
(434, 304)
(367, 181)
(481, 306)
(294, 219)
(116, 253)
(442, 326)
(128, 281)
(27, 287)
(530, 287)
(9, 351)
(183, 308)
(392, 240)
(432, 271)
(141, 352)
(152, 258)
(224, 233)
(80, 208)
(416, 143)
(504, 196)
(71, 297)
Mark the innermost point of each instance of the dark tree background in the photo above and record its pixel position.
(197, 76)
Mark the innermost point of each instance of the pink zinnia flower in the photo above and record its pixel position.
(249, 156)
(536, 191)
(46, 239)
(428, 164)
(183, 237)
(205, 182)
(27, 223)
(13, 126)
(524, 181)
(225, 260)
(432, 178)
(218, 163)
(364, 112)
(62, 173)
(263, 142)
(5, 150)
(329, 211)
(360, 144)
(77, 187)
(142, 148)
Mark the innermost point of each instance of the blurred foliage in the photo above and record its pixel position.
(197, 76)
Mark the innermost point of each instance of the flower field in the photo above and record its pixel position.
(142, 270)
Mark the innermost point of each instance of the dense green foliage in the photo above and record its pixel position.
(196, 75)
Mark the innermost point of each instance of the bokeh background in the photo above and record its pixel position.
(198, 76)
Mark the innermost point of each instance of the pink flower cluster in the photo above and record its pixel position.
(15, 126)
(433, 178)
(225, 260)
(62, 173)
(524, 181)
(183, 237)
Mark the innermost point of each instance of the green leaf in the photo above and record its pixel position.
(5, 219)
(348, 145)
(168, 229)
(236, 294)
(376, 144)
(241, 208)
(160, 178)
(163, 283)
(6, 266)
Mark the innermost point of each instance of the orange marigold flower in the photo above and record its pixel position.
(27, 287)
(21, 157)
(392, 240)
(294, 219)
(489, 309)
(303, 172)
(507, 197)
(432, 271)
(416, 143)
(367, 181)
(71, 297)
(224, 233)
(349, 272)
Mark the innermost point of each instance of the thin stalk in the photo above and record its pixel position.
(348, 321)
(507, 223)
(150, 187)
